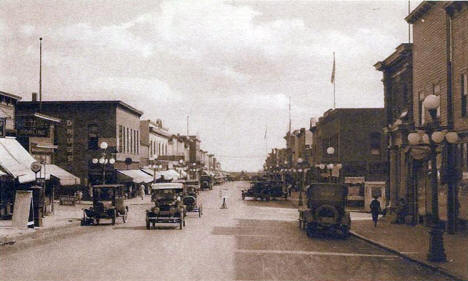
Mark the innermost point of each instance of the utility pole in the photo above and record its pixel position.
(40, 74)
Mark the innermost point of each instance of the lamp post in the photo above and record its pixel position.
(301, 183)
(106, 158)
(432, 136)
(330, 152)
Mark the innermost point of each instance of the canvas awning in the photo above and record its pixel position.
(15, 160)
(168, 174)
(137, 176)
(65, 177)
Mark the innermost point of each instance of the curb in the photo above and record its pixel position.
(420, 262)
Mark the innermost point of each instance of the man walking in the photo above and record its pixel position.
(142, 191)
(375, 210)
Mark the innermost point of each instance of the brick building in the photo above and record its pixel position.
(356, 135)
(398, 96)
(440, 67)
(7, 113)
(85, 125)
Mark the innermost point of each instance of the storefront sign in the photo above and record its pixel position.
(33, 132)
(354, 180)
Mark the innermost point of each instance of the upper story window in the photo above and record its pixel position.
(93, 137)
(436, 91)
(421, 109)
(121, 142)
(464, 92)
(375, 140)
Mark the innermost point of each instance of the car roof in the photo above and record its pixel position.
(167, 185)
(108, 186)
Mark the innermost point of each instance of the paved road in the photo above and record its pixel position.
(248, 241)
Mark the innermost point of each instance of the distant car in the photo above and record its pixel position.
(190, 199)
(168, 206)
(326, 209)
(206, 182)
(265, 190)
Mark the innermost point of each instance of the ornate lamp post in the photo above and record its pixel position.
(106, 158)
(431, 136)
(300, 171)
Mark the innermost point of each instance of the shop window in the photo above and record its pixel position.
(464, 92)
(375, 140)
(127, 148)
(93, 137)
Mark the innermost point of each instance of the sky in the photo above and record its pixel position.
(231, 66)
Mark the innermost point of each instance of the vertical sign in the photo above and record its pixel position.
(69, 136)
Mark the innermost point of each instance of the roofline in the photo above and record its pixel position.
(118, 102)
(10, 95)
(419, 11)
(398, 53)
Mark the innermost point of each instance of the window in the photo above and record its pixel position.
(127, 148)
(93, 137)
(464, 92)
(138, 142)
(121, 138)
(436, 91)
(375, 140)
(421, 107)
(134, 142)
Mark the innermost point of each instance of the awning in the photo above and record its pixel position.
(137, 176)
(168, 175)
(65, 177)
(15, 160)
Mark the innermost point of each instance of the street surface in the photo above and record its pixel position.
(251, 240)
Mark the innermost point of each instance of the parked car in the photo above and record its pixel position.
(326, 209)
(108, 203)
(265, 190)
(206, 182)
(190, 200)
(168, 206)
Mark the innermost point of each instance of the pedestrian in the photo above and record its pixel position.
(79, 196)
(142, 191)
(375, 210)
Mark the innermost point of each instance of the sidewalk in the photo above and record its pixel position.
(64, 217)
(412, 242)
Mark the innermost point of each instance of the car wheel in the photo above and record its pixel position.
(310, 230)
(113, 220)
(345, 230)
(148, 224)
(243, 196)
(181, 224)
(97, 221)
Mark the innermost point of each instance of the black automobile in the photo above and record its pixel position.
(168, 206)
(108, 203)
(265, 190)
(326, 209)
(206, 182)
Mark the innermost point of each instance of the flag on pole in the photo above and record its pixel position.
(333, 70)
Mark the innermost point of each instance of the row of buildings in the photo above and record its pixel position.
(68, 136)
(395, 144)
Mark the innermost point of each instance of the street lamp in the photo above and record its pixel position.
(106, 158)
(301, 183)
(431, 137)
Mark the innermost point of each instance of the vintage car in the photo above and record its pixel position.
(192, 185)
(206, 182)
(108, 203)
(265, 190)
(168, 206)
(190, 199)
(325, 210)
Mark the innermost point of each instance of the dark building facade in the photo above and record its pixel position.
(85, 125)
(356, 136)
(398, 95)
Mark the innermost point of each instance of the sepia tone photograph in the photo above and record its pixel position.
(233, 140)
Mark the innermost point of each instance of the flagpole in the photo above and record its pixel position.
(40, 74)
(334, 82)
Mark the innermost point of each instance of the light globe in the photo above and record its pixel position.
(452, 137)
(102, 160)
(330, 150)
(431, 102)
(322, 166)
(330, 166)
(95, 160)
(103, 145)
(414, 138)
(437, 137)
(112, 161)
